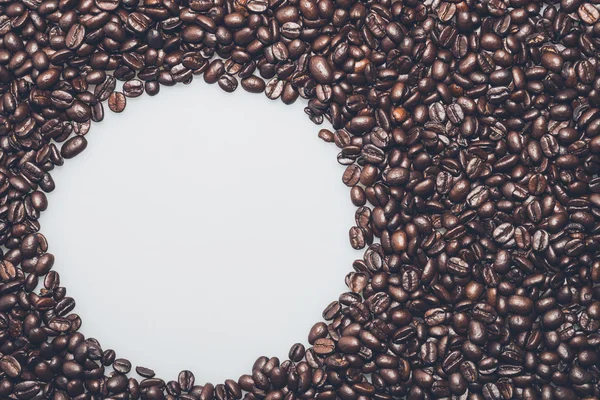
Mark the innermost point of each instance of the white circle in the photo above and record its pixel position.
(200, 230)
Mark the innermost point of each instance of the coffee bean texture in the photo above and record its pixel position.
(470, 136)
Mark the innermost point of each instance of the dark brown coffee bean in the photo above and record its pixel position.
(26, 389)
(73, 146)
(107, 5)
(8, 272)
(274, 88)
(588, 13)
(117, 102)
(320, 69)
(214, 71)
(324, 346)
(458, 267)
(186, 380)
(552, 319)
(104, 90)
(75, 36)
(520, 305)
(122, 365)
(61, 99)
(152, 88)
(503, 233)
(253, 84)
(349, 344)
(228, 83)
(133, 88)
(326, 135)
(145, 372)
(437, 113)
(10, 366)
(446, 11)
(47, 79)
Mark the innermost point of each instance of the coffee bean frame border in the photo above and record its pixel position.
(470, 132)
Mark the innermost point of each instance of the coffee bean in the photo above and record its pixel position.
(145, 372)
(274, 88)
(478, 196)
(520, 305)
(105, 89)
(214, 71)
(152, 88)
(588, 13)
(228, 83)
(326, 135)
(522, 238)
(61, 99)
(540, 240)
(458, 267)
(107, 5)
(73, 146)
(331, 311)
(186, 380)
(455, 113)
(253, 84)
(320, 69)
(133, 88)
(10, 366)
(48, 78)
(446, 11)
(117, 102)
(122, 365)
(552, 319)
(324, 346)
(75, 36)
(503, 233)
(26, 389)
(116, 384)
(437, 113)
(349, 344)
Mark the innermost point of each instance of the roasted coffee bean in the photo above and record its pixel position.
(588, 13)
(437, 113)
(75, 36)
(458, 267)
(320, 69)
(540, 240)
(145, 372)
(186, 380)
(520, 305)
(446, 11)
(122, 365)
(27, 389)
(324, 346)
(104, 89)
(214, 71)
(133, 88)
(73, 146)
(357, 237)
(117, 102)
(228, 83)
(253, 84)
(10, 366)
(503, 233)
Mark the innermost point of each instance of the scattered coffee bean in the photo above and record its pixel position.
(117, 102)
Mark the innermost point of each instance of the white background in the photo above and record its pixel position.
(200, 230)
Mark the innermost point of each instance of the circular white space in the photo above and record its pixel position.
(200, 230)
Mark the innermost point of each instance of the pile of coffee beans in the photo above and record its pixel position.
(470, 132)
